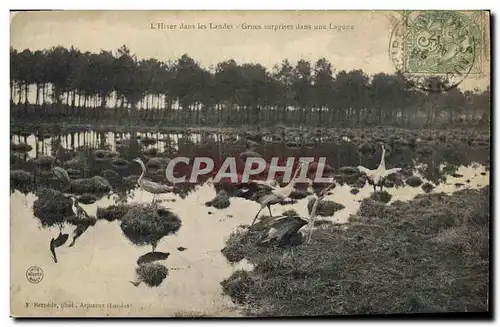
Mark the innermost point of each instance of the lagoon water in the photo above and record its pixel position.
(97, 270)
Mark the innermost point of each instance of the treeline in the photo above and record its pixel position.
(60, 82)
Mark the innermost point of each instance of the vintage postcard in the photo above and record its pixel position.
(249, 163)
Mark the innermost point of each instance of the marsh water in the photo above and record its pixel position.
(97, 270)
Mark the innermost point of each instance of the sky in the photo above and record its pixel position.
(351, 39)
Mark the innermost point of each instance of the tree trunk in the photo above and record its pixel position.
(20, 90)
(37, 100)
(104, 100)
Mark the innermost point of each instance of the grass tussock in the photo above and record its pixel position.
(152, 274)
(427, 187)
(147, 224)
(426, 255)
(113, 212)
(414, 181)
(21, 180)
(220, 201)
(94, 185)
(326, 208)
(52, 207)
(382, 196)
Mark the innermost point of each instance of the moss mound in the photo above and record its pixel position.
(426, 255)
(52, 207)
(299, 194)
(44, 162)
(414, 181)
(158, 162)
(244, 243)
(21, 180)
(110, 174)
(238, 286)
(87, 198)
(114, 212)
(120, 163)
(220, 201)
(325, 208)
(21, 147)
(94, 185)
(427, 187)
(147, 224)
(105, 154)
(371, 209)
(130, 181)
(382, 196)
(425, 151)
(152, 274)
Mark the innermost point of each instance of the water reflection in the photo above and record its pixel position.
(103, 261)
(427, 159)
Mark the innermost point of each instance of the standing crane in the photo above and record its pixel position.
(61, 174)
(277, 193)
(377, 176)
(314, 209)
(150, 186)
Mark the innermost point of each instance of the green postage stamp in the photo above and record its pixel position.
(448, 45)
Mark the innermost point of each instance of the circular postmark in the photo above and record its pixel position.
(34, 274)
(435, 50)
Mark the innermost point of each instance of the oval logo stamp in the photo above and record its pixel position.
(436, 50)
(34, 274)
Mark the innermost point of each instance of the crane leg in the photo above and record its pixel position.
(152, 201)
(269, 208)
(374, 188)
(253, 222)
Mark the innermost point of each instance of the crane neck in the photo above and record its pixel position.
(290, 185)
(143, 170)
(382, 159)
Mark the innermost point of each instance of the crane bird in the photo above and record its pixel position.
(150, 186)
(376, 177)
(81, 219)
(277, 193)
(61, 174)
(312, 214)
